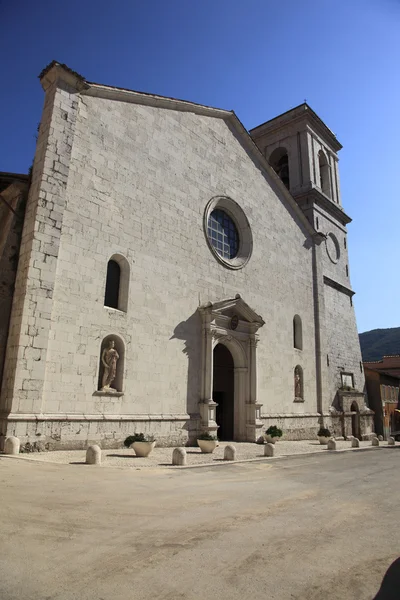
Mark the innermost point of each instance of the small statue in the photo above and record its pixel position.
(109, 358)
(297, 383)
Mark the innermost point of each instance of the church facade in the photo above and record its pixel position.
(179, 274)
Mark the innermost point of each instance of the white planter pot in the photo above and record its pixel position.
(143, 449)
(207, 446)
(270, 439)
(323, 440)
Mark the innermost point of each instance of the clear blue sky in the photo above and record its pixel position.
(257, 57)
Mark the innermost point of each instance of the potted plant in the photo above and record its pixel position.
(141, 443)
(324, 435)
(272, 434)
(207, 442)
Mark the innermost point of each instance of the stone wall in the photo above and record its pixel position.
(13, 189)
(132, 179)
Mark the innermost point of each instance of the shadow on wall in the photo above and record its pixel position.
(189, 332)
(390, 586)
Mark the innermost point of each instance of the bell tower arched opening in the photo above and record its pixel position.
(279, 161)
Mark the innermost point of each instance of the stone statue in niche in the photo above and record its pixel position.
(109, 359)
(297, 383)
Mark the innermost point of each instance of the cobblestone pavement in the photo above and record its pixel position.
(162, 457)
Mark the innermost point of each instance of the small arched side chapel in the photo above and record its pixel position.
(225, 225)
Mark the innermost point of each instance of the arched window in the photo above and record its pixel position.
(279, 161)
(117, 283)
(297, 333)
(298, 384)
(324, 174)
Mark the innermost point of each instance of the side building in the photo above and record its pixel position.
(178, 275)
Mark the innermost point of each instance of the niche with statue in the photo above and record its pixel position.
(111, 366)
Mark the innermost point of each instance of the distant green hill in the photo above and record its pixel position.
(379, 342)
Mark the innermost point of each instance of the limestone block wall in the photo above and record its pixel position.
(10, 238)
(343, 346)
(118, 178)
(139, 182)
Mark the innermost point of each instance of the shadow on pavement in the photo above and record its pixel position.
(390, 586)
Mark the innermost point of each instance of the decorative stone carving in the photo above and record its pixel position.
(179, 457)
(332, 444)
(109, 359)
(355, 442)
(391, 441)
(298, 384)
(93, 455)
(269, 450)
(375, 441)
(230, 453)
(12, 445)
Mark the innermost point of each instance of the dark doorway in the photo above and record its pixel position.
(223, 391)
(355, 421)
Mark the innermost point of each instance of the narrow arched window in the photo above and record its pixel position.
(297, 333)
(117, 283)
(279, 161)
(112, 284)
(298, 384)
(324, 174)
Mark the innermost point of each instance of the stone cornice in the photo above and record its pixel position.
(300, 113)
(321, 200)
(338, 286)
(88, 417)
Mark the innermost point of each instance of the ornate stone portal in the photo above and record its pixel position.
(232, 323)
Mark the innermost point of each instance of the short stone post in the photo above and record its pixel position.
(230, 453)
(375, 441)
(269, 450)
(12, 445)
(355, 442)
(332, 444)
(380, 438)
(93, 455)
(179, 457)
(391, 441)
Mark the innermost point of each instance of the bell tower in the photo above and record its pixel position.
(303, 152)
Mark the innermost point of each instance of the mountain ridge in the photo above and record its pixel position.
(377, 343)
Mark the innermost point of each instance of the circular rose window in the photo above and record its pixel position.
(332, 247)
(228, 232)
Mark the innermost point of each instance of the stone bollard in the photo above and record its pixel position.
(332, 444)
(179, 457)
(93, 455)
(12, 445)
(391, 441)
(269, 450)
(230, 453)
(380, 438)
(355, 442)
(375, 441)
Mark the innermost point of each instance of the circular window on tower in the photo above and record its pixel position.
(332, 247)
(228, 232)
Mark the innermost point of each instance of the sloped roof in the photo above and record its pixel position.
(58, 71)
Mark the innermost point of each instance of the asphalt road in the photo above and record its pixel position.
(316, 527)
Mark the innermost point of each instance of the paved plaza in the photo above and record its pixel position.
(322, 525)
(161, 457)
